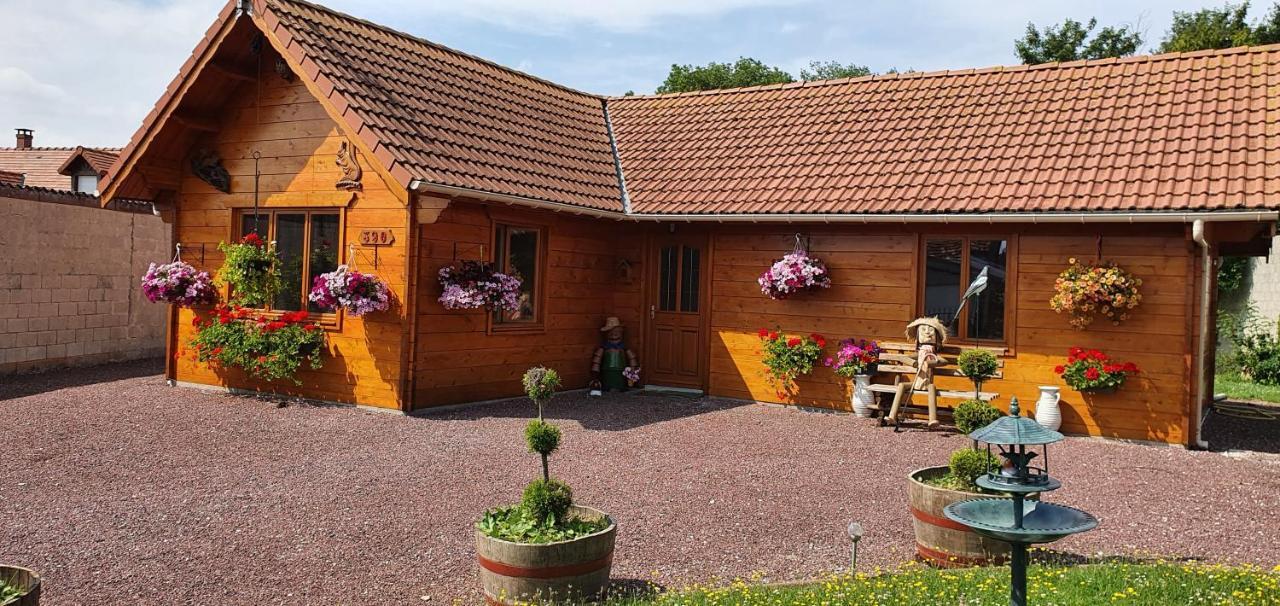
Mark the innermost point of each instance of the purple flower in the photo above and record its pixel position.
(178, 283)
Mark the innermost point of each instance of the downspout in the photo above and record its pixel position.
(1197, 234)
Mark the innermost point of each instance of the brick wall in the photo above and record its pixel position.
(69, 275)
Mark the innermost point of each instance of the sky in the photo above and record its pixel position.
(85, 72)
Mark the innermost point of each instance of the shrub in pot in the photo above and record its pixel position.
(979, 365)
(19, 586)
(972, 415)
(546, 548)
(939, 540)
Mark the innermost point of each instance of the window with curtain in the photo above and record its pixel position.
(308, 243)
(951, 266)
(518, 252)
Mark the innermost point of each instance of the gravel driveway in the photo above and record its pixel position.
(120, 489)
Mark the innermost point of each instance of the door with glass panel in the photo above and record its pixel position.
(676, 347)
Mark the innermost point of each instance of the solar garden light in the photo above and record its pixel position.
(1016, 520)
(855, 535)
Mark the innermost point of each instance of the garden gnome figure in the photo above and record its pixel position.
(929, 335)
(612, 358)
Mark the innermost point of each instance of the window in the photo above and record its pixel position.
(678, 282)
(518, 252)
(309, 244)
(85, 184)
(952, 267)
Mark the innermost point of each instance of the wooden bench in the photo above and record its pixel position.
(899, 360)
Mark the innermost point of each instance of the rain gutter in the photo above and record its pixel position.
(420, 186)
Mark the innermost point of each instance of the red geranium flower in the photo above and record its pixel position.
(819, 339)
(1092, 373)
(793, 342)
(252, 238)
(764, 333)
(1059, 369)
(773, 335)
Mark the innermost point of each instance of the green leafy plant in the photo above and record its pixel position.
(1232, 273)
(10, 593)
(542, 438)
(545, 510)
(547, 500)
(786, 358)
(1091, 370)
(972, 415)
(540, 384)
(265, 347)
(967, 464)
(979, 365)
(251, 269)
(1258, 356)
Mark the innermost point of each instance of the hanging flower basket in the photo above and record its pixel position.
(178, 283)
(1091, 371)
(475, 285)
(251, 270)
(264, 347)
(787, 358)
(353, 291)
(794, 273)
(1086, 291)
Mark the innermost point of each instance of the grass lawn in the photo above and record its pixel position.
(1147, 584)
(1240, 389)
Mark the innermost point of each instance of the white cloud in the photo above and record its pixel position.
(558, 16)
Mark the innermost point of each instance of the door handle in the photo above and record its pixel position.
(651, 312)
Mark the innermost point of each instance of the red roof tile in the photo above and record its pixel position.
(41, 166)
(1101, 135)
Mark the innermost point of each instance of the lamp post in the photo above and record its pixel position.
(1016, 520)
(855, 535)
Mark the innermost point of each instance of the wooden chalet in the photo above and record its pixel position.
(664, 210)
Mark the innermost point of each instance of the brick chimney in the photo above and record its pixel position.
(25, 138)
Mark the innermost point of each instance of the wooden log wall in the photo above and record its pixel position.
(458, 358)
(875, 292)
(298, 141)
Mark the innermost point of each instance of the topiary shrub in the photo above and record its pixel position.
(540, 384)
(972, 415)
(542, 438)
(979, 365)
(547, 501)
(968, 464)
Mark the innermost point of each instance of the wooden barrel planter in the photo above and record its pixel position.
(548, 572)
(25, 580)
(941, 541)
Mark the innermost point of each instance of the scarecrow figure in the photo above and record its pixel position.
(928, 335)
(612, 359)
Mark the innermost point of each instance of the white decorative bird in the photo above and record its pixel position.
(976, 287)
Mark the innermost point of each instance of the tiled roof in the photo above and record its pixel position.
(450, 118)
(42, 165)
(1168, 132)
(99, 159)
(11, 178)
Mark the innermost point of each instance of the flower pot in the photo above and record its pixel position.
(863, 398)
(25, 580)
(548, 572)
(941, 541)
(1048, 414)
(1098, 390)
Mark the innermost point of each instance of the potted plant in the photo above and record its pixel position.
(19, 586)
(794, 273)
(476, 285)
(250, 269)
(939, 540)
(857, 360)
(1082, 291)
(178, 283)
(786, 358)
(353, 291)
(1091, 371)
(546, 548)
(978, 365)
(265, 347)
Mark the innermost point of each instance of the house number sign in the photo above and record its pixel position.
(376, 237)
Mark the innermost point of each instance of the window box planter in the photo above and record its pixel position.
(565, 571)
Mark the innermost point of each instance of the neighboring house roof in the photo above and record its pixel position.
(1176, 132)
(11, 178)
(98, 159)
(43, 166)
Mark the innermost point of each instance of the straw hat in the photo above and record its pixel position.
(611, 323)
(933, 322)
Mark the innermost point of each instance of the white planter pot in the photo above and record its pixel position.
(1048, 413)
(863, 398)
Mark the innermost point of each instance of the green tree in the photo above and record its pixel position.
(1224, 27)
(1071, 41)
(831, 70)
(743, 72)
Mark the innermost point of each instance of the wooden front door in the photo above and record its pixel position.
(677, 343)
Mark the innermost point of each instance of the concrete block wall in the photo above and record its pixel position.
(69, 291)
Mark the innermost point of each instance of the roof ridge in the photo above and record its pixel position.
(437, 45)
(1234, 50)
(62, 148)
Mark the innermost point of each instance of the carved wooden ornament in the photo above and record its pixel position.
(351, 173)
(206, 165)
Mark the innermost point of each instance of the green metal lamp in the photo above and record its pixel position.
(1016, 520)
